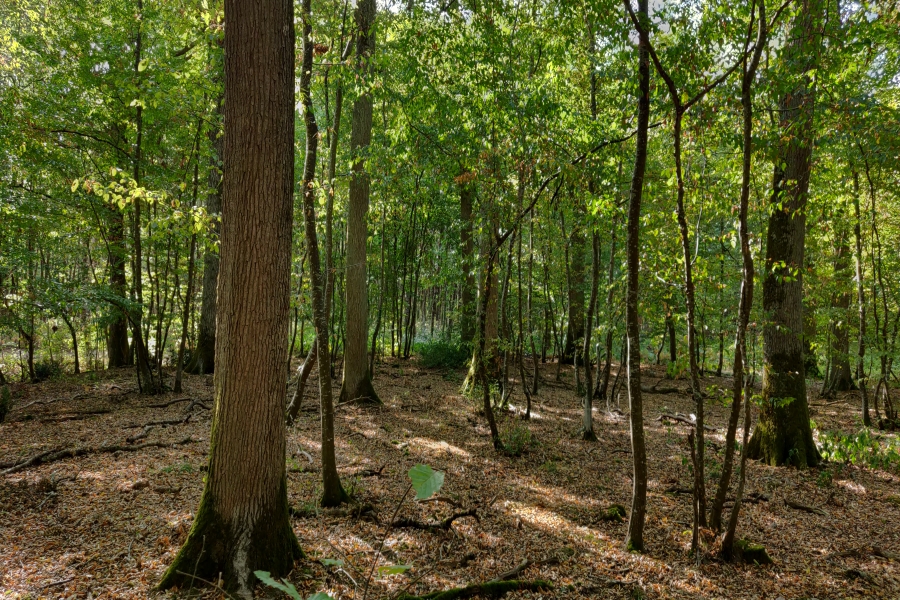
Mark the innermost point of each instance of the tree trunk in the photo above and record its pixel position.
(357, 383)
(840, 379)
(575, 327)
(861, 304)
(203, 359)
(587, 423)
(242, 523)
(634, 539)
(467, 314)
(783, 434)
(117, 332)
(188, 297)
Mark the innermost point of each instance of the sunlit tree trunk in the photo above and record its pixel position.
(242, 523)
(783, 434)
(357, 384)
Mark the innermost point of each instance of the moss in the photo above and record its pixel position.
(783, 435)
(211, 544)
(490, 589)
(616, 512)
(750, 552)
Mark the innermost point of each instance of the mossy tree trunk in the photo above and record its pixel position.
(783, 434)
(242, 523)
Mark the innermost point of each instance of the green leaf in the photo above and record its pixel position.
(142, 66)
(425, 481)
(285, 587)
(393, 569)
(332, 562)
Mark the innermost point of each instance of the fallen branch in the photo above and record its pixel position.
(87, 414)
(489, 589)
(683, 419)
(149, 427)
(53, 456)
(805, 508)
(168, 404)
(520, 568)
(443, 525)
(368, 472)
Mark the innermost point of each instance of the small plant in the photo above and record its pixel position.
(824, 480)
(550, 466)
(861, 448)
(517, 440)
(443, 355)
(47, 369)
(184, 467)
(5, 402)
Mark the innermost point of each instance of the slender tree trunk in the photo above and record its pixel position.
(783, 434)
(746, 300)
(357, 383)
(203, 359)
(188, 297)
(117, 331)
(242, 523)
(333, 493)
(610, 295)
(634, 540)
(587, 422)
(861, 305)
(840, 379)
(575, 327)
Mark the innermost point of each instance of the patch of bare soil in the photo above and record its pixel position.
(107, 513)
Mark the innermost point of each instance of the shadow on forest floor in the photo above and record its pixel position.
(106, 525)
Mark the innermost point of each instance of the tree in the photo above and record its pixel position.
(357, 384)
(242, 523)
(635, 536)
(783, 434)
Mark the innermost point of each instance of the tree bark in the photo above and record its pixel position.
(587, 423)
(203, 359)
(467, 313)
(117, 349)
(357, 383)
(861, 305)
(634, 539)
(840, 378)
(242, 523)
(783, 434)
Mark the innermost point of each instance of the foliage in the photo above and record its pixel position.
(425, 481)
(862, 448)
(47, 369)
(443, 354)
(287, 587)
(517, 440)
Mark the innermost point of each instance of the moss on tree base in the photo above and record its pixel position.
(749, 552)
(215, 547)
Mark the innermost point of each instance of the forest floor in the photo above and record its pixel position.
(105, 525)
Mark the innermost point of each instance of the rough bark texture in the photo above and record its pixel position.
(357, 384)
(840, 378)
(204, 355)
(783, 434)
(635, 537)
(117, 331)
(242, 523)
(587, 423)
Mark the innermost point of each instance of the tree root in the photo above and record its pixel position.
(78, 416)
(169, 403)
(805, 508)
(683, 419)
(489, 589)
(443, 525)
(55, 455)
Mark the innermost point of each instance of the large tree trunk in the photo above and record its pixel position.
(783, 434)
(357, 384)
(203, 359)
(634, 539)
(117, 350)
(242, 523)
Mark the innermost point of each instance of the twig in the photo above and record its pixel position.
(168, 404)
(56, 583)
(47, 457)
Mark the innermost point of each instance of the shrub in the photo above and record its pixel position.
(443, 354)
(860, 448)
(47, 369)
(5, 402)
(517, 440)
